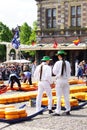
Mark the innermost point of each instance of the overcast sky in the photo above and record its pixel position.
(16, 12)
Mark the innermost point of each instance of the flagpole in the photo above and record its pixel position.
(20, 54)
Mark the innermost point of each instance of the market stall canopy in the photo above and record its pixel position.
(16, 61)
(49, 46)
(61, 46)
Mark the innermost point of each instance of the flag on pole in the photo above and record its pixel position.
(76, 42)
(55, 44)
(16, 39)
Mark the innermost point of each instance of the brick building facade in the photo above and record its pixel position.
(62, 21)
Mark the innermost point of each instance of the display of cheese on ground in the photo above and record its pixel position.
(15, 113)
(78, 89)
(73, 81)
(45, 101)
(6, 106)
(25, 96)
(73, 102)
(76, 81)
(53, 93)
(26, 86)
(79, 95)
(2, 109)
(2, 113)
(81, 81)
(11, 112)
(86, 97)
(19, 97)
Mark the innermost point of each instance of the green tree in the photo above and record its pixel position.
(25, 32)
(2, 53)
(28, 35)
(33, 37)
(33, 34)
(5, 33)
(5, 36)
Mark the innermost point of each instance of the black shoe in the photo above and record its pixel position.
(53, 108)
(66, 113)
(55, 114)
(50, 111)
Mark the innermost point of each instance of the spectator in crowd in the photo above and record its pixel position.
(76, 67)
(84, 66)
(33, 67)
(80, 70)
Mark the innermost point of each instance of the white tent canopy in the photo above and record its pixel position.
(16, 61)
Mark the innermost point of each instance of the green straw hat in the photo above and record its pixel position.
(61, 52)
(46, 58)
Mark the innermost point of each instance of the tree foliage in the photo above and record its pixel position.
(33, 37)
(5, 36)
(33, 34)
(2, 53)
(28, 35)
(5, 33)
(25, 32)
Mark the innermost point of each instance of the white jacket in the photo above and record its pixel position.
(57, 68)
(46, 73)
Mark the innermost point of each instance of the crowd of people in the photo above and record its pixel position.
(7, 69)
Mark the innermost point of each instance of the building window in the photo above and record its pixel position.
(76, 16)
(51, 18)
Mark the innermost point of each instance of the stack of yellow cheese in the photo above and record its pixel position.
(2, 109)
(15, 113)
(80, 95)
(45, 101)
(73, 102)
(11, 112)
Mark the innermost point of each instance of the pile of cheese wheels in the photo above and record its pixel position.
(11, 112)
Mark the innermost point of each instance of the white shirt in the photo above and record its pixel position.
(57, 68)
(33, 69)
(46, 73)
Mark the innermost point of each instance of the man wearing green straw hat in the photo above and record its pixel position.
(43, 74)
(62, 71)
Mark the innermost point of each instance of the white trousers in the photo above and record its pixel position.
(62, 88)
(43, 86)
